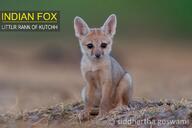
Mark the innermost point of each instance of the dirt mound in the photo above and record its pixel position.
(140, 113)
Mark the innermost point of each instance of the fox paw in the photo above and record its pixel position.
(83, 116)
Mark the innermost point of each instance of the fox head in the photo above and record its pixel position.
(95, 43)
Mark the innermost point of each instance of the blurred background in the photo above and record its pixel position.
(153, 42)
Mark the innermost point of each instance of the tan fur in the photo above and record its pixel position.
(107, 84)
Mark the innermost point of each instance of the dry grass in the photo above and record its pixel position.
(140, 113)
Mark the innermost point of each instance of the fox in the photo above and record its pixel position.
(107, 83)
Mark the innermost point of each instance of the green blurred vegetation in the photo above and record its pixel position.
(172, 18)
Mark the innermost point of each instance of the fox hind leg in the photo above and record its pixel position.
(124, 91)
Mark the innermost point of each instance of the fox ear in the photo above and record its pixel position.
(110, 24)
(80, 26)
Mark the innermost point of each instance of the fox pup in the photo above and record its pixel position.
(107, 84)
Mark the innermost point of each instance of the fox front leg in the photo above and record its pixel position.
(106, 99)
(84, 115)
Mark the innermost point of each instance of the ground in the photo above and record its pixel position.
(140, 113)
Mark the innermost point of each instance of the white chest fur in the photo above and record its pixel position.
(93, 65)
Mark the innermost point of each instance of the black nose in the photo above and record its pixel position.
(97, 56)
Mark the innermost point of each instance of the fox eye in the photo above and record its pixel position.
(90, 46)
(103, 45)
